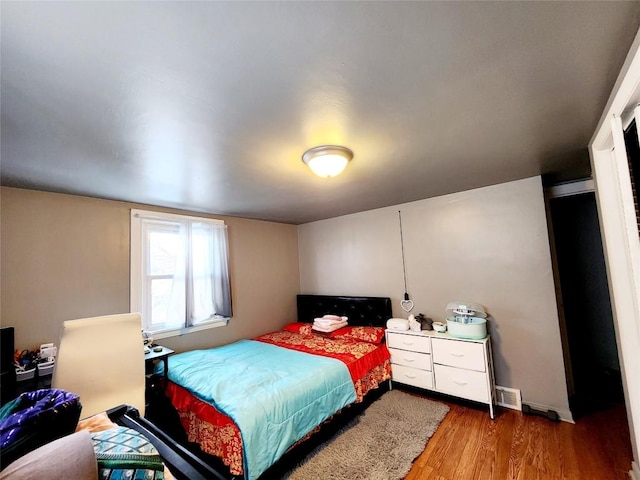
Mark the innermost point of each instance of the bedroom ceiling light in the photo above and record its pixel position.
(327, 160)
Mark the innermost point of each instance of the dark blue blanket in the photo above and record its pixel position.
(36, 418)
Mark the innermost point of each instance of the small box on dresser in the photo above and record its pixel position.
(439, 362)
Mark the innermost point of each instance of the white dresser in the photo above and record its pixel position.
(442, 363)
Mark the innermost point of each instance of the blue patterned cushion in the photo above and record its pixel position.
(123, 453)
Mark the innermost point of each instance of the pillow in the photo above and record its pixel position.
(333, 334)
(298, 327)
(373, 335)
(68, 457)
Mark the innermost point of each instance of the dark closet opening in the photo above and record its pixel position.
(593, 352)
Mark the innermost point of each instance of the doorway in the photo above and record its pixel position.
(590, 336)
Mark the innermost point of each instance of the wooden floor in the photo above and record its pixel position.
(469, 445)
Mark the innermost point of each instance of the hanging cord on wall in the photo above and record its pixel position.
(406, 304)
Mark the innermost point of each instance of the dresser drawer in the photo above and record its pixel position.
(458, 353)
(410, 359)
(412, 376)
(462, 383)
(414, 343)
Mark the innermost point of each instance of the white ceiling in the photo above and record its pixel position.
(208, 106)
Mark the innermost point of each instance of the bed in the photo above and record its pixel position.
(282, 386)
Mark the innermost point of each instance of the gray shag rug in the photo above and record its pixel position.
(379, 444)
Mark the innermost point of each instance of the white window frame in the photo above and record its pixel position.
(138, 277)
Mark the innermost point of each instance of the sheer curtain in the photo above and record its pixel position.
(222, 283)
(210, 287)
(176, 307)
(165, 273)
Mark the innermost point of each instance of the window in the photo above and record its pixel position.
(179, 272)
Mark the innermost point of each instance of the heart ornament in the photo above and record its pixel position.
(406, 305)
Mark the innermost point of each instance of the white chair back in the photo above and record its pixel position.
(102, 360)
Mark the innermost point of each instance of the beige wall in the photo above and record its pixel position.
(488, 246)
(66, 257)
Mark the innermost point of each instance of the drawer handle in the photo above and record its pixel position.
(408, 360)
(409, 376)
(459, 383)
(407, 343)
(454, 354)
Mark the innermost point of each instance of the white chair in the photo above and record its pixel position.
(102, 360)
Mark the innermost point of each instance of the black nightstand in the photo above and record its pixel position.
(156, 384)
(162, 355)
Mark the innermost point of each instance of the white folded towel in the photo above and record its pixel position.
(329, 320)
(329, 328)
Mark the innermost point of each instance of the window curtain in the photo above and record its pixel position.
(176, 307)
(210, 287)
(166, 274)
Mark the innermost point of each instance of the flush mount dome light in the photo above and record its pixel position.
(327, 160)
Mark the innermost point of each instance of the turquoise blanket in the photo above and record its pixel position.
(275, 395)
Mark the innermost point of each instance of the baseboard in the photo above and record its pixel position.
(634, 473)
(565, 415)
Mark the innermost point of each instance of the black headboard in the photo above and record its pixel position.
(362, 311)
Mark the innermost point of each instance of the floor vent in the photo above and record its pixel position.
(508, 397)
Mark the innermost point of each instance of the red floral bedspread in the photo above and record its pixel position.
(218, 435)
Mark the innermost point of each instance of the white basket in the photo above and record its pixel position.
(23, 375)
(46, 368)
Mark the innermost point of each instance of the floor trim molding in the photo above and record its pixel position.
(565, 415)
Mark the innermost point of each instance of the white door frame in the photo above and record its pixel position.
(620, 236)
